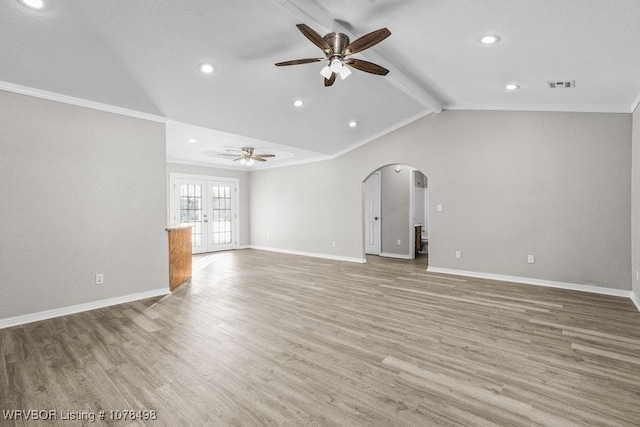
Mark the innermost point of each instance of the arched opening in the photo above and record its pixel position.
(396, 213)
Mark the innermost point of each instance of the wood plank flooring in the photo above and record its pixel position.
(260, 338)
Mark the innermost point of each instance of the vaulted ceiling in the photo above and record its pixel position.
(144, 55)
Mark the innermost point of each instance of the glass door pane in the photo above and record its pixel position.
(222, 215)
(209, 208)
(192, 211)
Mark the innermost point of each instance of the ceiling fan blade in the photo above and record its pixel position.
(300, 61)
(367, 41)
(328, 82)
(366, 66)
(258, 158)
(265, 155)
(228, 154)
(314, 37)
(239, 158)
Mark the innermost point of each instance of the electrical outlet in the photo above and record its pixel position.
(637, 276)
(530, 259)
(333, 244)
(458, 254)
(439, 208)
(99, 279)
(399, 242)
(267, 237)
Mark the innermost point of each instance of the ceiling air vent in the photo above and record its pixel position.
(555, 84)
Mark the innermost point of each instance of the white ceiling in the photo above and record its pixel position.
(143, 55)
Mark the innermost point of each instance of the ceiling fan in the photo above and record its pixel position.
(337, 48)
(247, 157)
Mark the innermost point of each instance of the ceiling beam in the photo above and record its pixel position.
(317, 17)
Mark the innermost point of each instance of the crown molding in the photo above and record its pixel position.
(319, 158)
(206, 165)
(556, 108)
(381, 134)
(78, 102)
(269, 165)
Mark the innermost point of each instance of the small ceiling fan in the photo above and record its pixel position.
(247, 157)
(337, 48)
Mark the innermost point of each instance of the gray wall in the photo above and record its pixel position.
(394, 210)
(556, 185)
(83, 193)
(307, 207)
(243, 179)
(635, 215)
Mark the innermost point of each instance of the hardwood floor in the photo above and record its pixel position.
(264, 338)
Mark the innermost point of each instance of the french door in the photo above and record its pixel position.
(210, 208)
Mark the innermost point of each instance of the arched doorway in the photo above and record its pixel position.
(396, 213)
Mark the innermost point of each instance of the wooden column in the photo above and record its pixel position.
(179, 256)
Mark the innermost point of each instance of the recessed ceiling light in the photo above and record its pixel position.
(298, 102)
(512, 86)
(490, 39)
(353, 124)
(207, 68)
(193, 140)
(34, 4)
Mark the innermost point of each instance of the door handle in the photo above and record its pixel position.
(376, 218)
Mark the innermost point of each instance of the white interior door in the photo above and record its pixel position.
(372, 214)
(210, 208)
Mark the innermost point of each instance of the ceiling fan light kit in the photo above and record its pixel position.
(337, 47)
(326, 72)
(336, 65)
(344, 73)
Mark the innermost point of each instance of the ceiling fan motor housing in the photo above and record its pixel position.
(338, 43)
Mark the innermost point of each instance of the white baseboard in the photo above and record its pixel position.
(536, 282)
(399, 256)
(57, 312)
(539, 282)
(311, 254)
(635, 300)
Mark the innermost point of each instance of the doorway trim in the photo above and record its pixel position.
(412, 210)
(412, 205)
